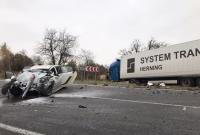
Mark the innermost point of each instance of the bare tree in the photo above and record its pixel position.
(6, 57)
(57, 46)
(37, 59)
(134, 48)
(87, 57)
(65, 44)
(123, 52)
(153, 44)
(49, 45)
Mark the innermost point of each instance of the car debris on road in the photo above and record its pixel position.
(81, 106)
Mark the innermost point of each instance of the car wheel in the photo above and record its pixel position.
(16, 91)
(47, 90)
(5, 88)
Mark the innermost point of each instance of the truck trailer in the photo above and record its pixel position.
(179, 62)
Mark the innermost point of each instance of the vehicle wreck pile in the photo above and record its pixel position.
(44, 79)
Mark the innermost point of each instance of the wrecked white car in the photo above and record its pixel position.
(44, 79)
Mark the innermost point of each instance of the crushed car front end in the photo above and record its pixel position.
(27, 81)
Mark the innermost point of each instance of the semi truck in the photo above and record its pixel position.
(179, 62)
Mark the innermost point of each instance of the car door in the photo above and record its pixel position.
(55, 77)
(64, 74)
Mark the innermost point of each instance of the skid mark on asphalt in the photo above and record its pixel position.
(18, 130)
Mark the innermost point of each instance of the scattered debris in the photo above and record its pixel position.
(184, 108)
(149, 84)
(81, 87)
(81, 106)
(162, 84)
(105, 84)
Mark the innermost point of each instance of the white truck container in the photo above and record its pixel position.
(178, 62)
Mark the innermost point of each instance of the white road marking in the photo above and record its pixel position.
(147, 102)
(18, 130)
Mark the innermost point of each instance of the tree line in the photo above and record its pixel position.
(56, 48)
(13, 62)
(137, 46)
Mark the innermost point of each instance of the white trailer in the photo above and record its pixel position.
(180, 62)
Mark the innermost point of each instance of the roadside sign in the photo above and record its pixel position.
(91, 69)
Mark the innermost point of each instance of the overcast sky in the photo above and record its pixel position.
(102, 26)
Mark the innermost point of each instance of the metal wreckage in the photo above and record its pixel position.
(43, 79)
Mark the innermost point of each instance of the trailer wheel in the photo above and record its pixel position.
(187, 82)
(198, 82)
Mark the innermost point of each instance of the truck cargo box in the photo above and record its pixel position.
(180, 60)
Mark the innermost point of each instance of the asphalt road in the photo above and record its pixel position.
(91, 110)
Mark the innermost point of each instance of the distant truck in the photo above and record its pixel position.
(179, 62)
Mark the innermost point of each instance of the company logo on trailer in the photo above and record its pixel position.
(131, 65)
